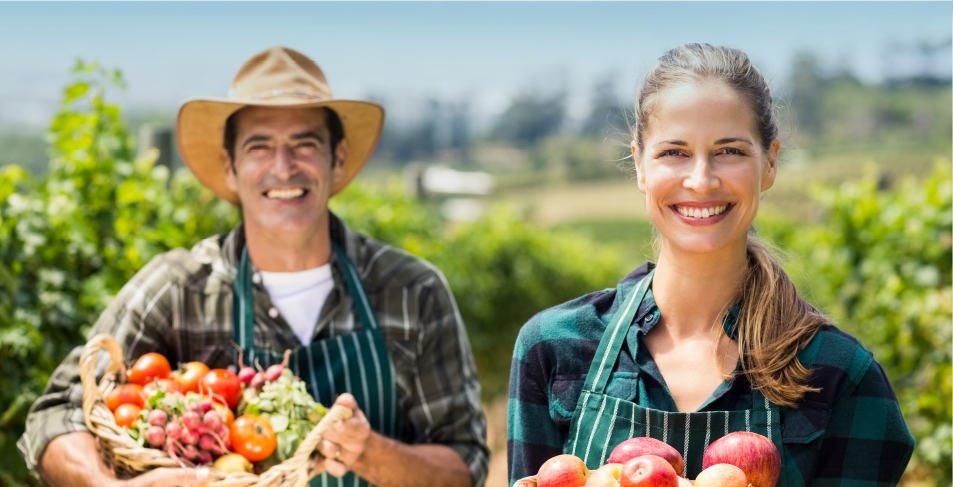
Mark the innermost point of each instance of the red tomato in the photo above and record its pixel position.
(127, 414)
(149, 366)
(191, 375)
(125, 394)
(223, 383)
(167, 385)
(252, 437)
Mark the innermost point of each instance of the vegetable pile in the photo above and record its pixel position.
(189, 413)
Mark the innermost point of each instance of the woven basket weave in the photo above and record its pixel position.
(127, 458)
(526, 482)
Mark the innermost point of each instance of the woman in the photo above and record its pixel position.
(713, 338)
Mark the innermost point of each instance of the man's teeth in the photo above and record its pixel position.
(701, 212)
(285, 194)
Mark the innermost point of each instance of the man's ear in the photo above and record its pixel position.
(229, 167)
(340, 160)
(639, 173)
(771, 165)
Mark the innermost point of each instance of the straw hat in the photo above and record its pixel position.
(278, 77)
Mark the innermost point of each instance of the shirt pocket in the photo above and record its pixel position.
(805, 424)
(565, 395)
(567, 389)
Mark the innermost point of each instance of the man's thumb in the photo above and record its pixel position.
(346, 400)
(174, 477)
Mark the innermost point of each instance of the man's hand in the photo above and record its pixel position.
(344, 444)
(73, 460)
(352, 446)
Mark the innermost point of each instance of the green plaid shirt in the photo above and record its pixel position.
(180, 305)
(850, 432)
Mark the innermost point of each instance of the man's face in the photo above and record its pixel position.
(283, 172)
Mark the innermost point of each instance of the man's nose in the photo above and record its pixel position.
(284, 166)
(702, 178)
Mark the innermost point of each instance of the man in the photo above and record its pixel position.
(362, 317)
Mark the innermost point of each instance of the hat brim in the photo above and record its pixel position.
(200, 132)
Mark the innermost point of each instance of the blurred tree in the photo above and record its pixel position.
(606, 111)
(530, 118)
(806, 93)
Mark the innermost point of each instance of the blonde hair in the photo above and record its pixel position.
(775, 322)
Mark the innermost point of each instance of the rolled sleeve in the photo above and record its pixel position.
(138, 318)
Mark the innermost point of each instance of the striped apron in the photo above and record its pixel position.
(358, 363)
(600, 422)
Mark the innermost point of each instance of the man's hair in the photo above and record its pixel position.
(331, 119)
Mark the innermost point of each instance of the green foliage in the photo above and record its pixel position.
(70, 240)
(880, 264)
(502, 271)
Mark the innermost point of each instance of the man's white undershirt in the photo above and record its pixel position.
(299, 297)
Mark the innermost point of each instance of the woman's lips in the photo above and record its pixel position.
(706, 215)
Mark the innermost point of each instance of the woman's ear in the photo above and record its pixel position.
(771, 165)
(639, 173)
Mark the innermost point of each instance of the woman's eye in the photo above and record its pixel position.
(670, 152)
(732, 151)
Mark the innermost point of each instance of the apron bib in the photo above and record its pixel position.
(358, 362)
(600, 422)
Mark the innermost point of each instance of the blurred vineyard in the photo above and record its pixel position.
(862, 207)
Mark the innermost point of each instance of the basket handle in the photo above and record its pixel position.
(92, 395)
(301, 460)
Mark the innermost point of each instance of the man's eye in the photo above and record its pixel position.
(257, 148)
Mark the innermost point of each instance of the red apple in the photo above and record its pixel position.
(722, 475)
(754, 454)
(648, 471)
(562, 471)
(606, 476)
(636, 447)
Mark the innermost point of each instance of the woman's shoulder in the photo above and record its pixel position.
(838, 364)
(585, 317)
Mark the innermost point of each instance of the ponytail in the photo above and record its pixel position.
(774, 324)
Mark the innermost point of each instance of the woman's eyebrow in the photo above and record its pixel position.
(673, 142)
(729, 140)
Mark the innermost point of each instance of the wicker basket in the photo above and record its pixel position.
(127, 458)
(526, 482)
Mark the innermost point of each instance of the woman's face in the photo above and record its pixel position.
(703, 168)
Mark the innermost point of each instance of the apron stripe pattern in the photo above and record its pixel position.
(352, 363)
(615, 420)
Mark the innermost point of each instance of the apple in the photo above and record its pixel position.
(562, 471)
(683, 482)
(636, 447)
(648, 471)
(722, 475)
(606, 476)
(754, 454)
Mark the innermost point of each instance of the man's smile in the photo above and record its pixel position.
(285, 193)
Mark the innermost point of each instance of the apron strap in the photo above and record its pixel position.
(356, 288)
(243, 304)
(614, 337)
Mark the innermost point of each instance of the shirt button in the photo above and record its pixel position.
(273, 312)
(256, 278)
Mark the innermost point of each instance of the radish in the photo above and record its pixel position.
(189, 437)
(206, 442)
(212, 420)
(158, 417)
(274, 372)
(206, 405)
(246, 374)
(203, 457)
(155, 436)
(173, 431)
(191, 420)
(258, 381)
(190, 452)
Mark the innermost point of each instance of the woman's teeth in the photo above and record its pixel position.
(701, 212)
(285, 194)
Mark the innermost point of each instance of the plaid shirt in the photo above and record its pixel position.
(850, 432)
(180, 305)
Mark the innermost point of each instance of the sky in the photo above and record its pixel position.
(402, 53)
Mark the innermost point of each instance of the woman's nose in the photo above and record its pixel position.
(701, 178)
